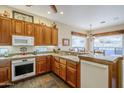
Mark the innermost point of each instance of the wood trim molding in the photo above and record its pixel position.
(78, 34)
(118, 32)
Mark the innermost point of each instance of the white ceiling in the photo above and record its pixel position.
(80, 16)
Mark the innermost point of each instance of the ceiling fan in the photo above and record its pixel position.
(53, 7)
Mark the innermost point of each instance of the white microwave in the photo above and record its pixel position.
(22, 40)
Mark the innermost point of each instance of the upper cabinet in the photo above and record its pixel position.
(47, 31)
(18, 27)
(38, 31)
(5, 31)
(43, 35)
(54, 36)
(29, 29)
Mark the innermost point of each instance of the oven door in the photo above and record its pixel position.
(22, 70)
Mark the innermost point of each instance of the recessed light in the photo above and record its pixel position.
(49, 12)
(61, 13)
(102, 22)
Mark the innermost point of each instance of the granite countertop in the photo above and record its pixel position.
(15, 57)
(99, 58)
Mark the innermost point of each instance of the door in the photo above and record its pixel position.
(29, 29)
(71, 76)
(18, 27)
(5, 31)
(62, 72)
(38, 35)
(54, 36)
(47, 35)
(4, 74)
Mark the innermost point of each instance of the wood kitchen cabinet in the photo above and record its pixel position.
(41, 65)
(48, 62)
(4, 72)
(47, 31)
(5, 31)
(38, 34)
(18, 27)
(29, 29)
(54, 36)
(56, 65)
(71, 74)
(62, 69)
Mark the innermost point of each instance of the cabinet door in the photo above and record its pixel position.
(47, 35)
(52, 64)
(71, 76)
(38, 34)
(62, 72)
(5, 31)
(4, 75)
(54, 36)
(57, 68)
(41, 67)
(29, 29)
(48, 62)
(18, 27)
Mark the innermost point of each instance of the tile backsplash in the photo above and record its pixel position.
(16, 49)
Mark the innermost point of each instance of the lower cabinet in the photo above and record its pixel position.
(43, 64)
(62, 72)
(4, 73)
(57, 66)
(62, 68)
(71, 74)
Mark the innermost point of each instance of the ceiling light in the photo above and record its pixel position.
(61, 13)
(49, 12)
(102, 22)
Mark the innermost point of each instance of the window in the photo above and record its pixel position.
(78, 41)
(112, 45)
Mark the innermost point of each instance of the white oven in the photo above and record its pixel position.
(22, 40)
(23, 68)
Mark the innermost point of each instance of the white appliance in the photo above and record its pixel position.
(22, 40)
(94, 75)
(23, 68)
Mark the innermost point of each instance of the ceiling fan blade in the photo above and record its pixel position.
(53, 7)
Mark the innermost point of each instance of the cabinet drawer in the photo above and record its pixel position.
(71, 64)
(40, 58)
(5, 63)
(62, 61)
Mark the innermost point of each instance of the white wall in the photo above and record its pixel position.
(64, 30)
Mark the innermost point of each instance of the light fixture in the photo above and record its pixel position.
(61, 13)
(49, 12)
(90, 35)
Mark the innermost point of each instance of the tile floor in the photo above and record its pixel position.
(44, 81)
